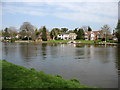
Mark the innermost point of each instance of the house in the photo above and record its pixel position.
(93, 35)
(63, 36)
(70, 36)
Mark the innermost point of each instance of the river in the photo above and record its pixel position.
(92, 65)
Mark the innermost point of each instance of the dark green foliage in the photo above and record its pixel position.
(64, 30)
(118, 31)
(89, 29)
(80, 34)
(15, 76)
(75, 31)
(118, 25)
(6, 33)
(118, 36)
(44, 34)
(54, 32)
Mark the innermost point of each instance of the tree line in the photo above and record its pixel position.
(29, 32)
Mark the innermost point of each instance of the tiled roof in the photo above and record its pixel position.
(95, 32)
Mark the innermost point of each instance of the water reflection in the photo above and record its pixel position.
(27, 52)
(44, 50)
(118, 63)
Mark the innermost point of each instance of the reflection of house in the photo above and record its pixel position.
(93, 35)
(70, 36)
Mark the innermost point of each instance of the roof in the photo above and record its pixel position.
(95, 32)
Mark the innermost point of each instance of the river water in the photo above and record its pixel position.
(91, 65)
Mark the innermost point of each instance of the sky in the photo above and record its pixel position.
(59, 14)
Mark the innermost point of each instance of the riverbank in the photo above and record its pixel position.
(15, 76)
(77, 42)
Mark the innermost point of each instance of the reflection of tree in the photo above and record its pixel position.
(9, 49)
(5, 49)
(54, 50)
(43, 47)
(118, 59)
(27, 52)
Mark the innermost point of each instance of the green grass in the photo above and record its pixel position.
(15, 76)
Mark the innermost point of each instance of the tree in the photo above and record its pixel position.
(29, 29)
(106, 31)
(44, 34)
(54, 32)
(5, 33)
(118, 31)
(12, 32)
(85, 28)
(89, 29)
(80, 34)
(76, 30)
(64, 30)
(9, 32)
(23, 33)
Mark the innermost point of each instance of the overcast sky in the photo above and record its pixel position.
(60, 14)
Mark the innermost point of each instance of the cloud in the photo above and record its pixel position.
(60, 0)
(93, 12)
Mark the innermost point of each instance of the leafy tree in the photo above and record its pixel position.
(89, 28)
(54, 32)
(5, 33)
(37, 33)
(118, 31)
(80, 34)
(44, 33)
(64, 30)
(76, 30)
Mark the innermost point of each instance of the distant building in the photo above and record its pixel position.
(70, 36)
(93, 35)
(63, 36)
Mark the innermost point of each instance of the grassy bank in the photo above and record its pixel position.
(66, 41)
(15, 76)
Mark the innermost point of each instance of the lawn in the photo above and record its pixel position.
(15, 76)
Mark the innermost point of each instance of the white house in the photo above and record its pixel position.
(70, 36)
(63, 36)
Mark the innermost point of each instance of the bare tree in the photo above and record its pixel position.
(29, 29)
(85, 28)
(12, 31)
(106, 31)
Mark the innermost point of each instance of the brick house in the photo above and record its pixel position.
(93, 35)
